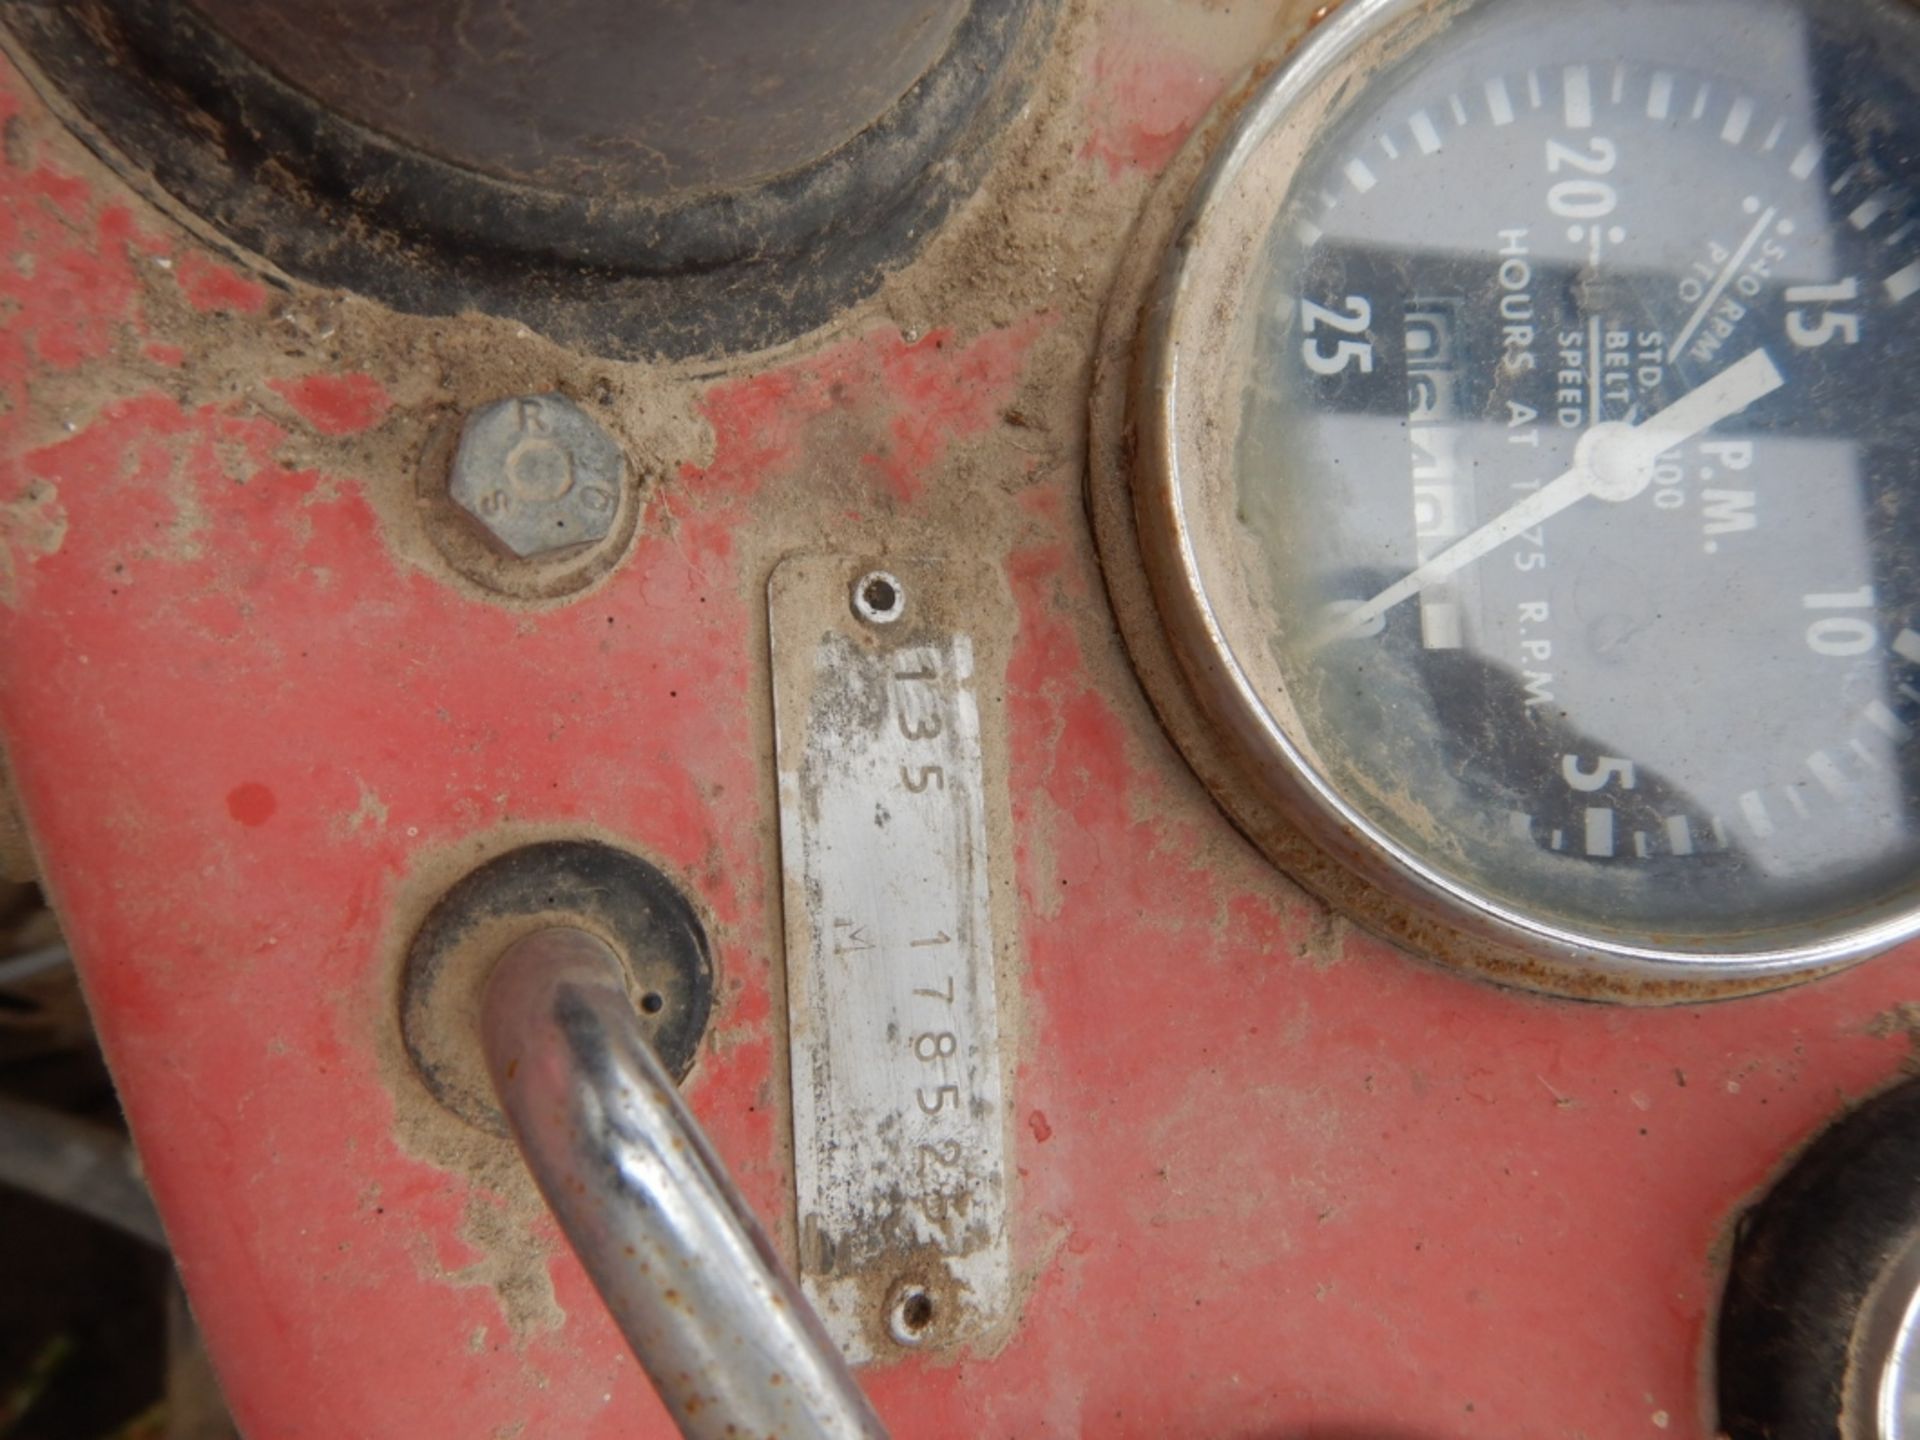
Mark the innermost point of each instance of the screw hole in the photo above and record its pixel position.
(653, 1002)
(913, 1314)
(878, 598)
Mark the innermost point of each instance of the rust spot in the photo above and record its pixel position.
(1037, 1122)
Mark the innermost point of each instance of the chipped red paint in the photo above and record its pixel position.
(1274, 1180)
(212, 286)
(336, 404)
(1146, 93)
(919, 398)
(70, 304)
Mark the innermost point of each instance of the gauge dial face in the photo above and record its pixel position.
(1540, 463)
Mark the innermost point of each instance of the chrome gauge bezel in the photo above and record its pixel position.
(1183, 357)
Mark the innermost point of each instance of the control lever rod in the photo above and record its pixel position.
(731, 1345)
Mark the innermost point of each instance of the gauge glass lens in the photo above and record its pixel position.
(1564, 524)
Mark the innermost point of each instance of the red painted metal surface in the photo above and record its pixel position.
(1275, 1180)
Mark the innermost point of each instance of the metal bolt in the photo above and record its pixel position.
(539, 474)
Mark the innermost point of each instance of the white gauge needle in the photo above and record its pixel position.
(1613, 461)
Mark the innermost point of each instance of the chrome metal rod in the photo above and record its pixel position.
(729, 1341)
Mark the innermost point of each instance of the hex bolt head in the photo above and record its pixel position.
(539, 474)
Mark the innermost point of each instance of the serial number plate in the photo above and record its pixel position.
(900, 1153)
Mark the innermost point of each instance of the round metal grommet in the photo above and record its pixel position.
(618, 897)
(911, 1316)
(879, 598)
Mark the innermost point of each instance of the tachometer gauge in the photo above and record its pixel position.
(1528, 477)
